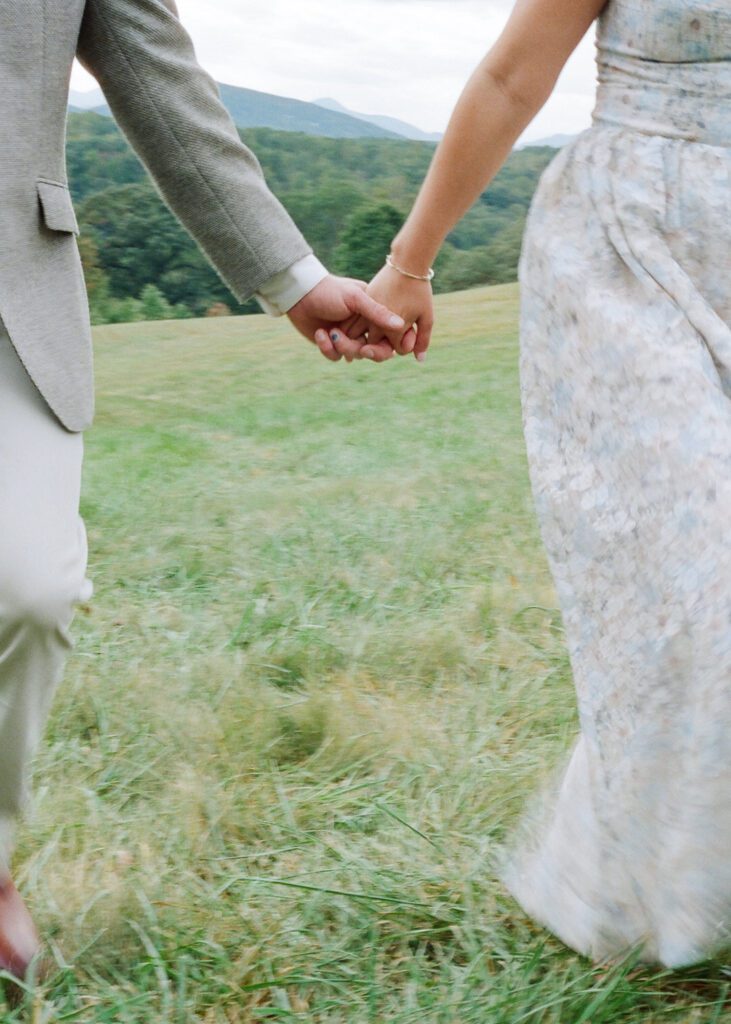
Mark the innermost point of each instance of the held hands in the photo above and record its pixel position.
(340, 300)
(366, 326)
(412, 299)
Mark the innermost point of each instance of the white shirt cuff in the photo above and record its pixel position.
(277, 295)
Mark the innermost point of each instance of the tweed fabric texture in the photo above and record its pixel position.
(170, 110)
(626, 390)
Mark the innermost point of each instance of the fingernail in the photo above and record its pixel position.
(367, 353)
(395, 322)
(334, 337)
(421, 357)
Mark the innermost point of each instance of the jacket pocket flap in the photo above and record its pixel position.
(58, 210)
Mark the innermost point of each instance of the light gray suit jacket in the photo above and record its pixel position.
(170, 110)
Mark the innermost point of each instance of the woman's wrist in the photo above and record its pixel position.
(413, 258)
(391, 262)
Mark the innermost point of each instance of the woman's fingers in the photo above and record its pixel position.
(379, 348)
(377, 337)
(408, 344)
(377, 352)
(424, 326)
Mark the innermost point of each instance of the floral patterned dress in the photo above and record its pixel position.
(626, 390)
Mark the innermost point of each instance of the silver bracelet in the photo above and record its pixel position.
(414, 277)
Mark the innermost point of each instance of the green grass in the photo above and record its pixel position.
(322, 671)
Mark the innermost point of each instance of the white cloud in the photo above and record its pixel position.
(406, 58)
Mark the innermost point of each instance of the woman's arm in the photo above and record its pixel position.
(502, 97)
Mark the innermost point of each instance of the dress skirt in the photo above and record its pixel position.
(626, 390)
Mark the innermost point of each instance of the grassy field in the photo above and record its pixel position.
(321, 673)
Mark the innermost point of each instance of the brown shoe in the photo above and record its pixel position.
(19, 941)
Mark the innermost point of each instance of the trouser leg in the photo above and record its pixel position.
(42, 572)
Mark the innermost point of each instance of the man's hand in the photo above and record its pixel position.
(335, 301)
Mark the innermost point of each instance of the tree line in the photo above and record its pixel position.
(348, 196)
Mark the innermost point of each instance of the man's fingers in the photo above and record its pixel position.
(325, 345)
(348, 348)
(423, 337)
(335, 345)
(356, 326)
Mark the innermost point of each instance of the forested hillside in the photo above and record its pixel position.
(349, 196)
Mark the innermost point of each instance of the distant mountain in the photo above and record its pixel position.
(324, 117)
(252, 109)
(391, 124)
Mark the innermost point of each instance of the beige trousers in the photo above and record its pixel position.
(42, 573)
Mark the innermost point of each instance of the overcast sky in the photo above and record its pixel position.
(405, 58)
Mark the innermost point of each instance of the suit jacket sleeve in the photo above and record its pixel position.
(170, 110)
